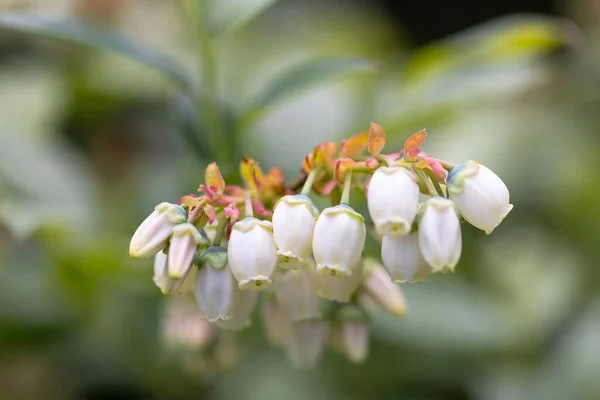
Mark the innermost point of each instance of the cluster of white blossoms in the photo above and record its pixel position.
(318, 285)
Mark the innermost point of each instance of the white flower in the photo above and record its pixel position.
(296, 292)
(182, 249)
(168, 285)
(294, 220)
(338, 240)
(440, 239)
(152, 235)
(340, 288)
(244, 304)
(402, 259)
(393, 200)
(183, 327)
(276, 321)
(252, 253)
(382, 291)
(479, 194)
(215, 292)
(355, 340)
(306, 342)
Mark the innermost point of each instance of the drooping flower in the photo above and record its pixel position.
(340, 288)
(183, 327)
(244, 304)
(440, 239)
(306, 342)
(338, 240)
(168, 285)
(355, 340)
(252, 253)
(480, 195)
(152, 234)
(393, 200)
(184, 241)
(276, 321)
(215, 292)
(294, 220)
(402, 258)
(296, 292)
(382, 291)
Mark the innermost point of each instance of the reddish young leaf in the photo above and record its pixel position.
(213, 180)
(248, 170)
(436, 167)
(190, 200)
(371, 163)
(308, 164)
(210, 212)
(376, 139)
(232, 211)
(326, 191)
(341, 167)
(355, 145)
(412, 146)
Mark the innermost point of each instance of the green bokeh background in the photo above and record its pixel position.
(90, 141)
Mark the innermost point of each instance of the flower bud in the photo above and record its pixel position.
(168, 285)
(338, 240)
(296, 292)
(380, 288)
(306, 342)
(216, 291)
(393, 200)
(340, 288)
(440, 239)
(152, 235)
(479, 194)
(355, 340)
(402, 259)
(252, 253)
(244, 304)
(182, 249)
(294, 220)
(215, 256)
(276, 321)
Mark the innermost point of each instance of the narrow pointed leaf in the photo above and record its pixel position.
(376, 139)
(226, 16)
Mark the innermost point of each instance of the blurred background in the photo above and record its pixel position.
(91, 140)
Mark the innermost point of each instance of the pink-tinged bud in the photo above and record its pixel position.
(276, 321)
(440, 239)
(252, 253)
(402, 258)
(479, 194)
(244, 304)
(380, 288)
(168, 285)
(152, 235)
(294, 220)
(338, 240)
(340, 288)
(215, 292)
(393, 200)
(296, 292)
(183, 245)
(306, 342)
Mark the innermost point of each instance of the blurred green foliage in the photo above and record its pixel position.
(90, 142)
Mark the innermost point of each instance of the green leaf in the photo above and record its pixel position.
(300, 78)
(97, 37)
(227, 16)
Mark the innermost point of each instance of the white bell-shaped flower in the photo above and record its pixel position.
(382, 291)
(244, 304)
(152, 234)
(252, 253)
(296, 292)
(393, 200)
(183, 245)
(215, 292)
(168, 285)
(402, 258)
(307, 340)
(340, 288)
(183, 327)
(479, 194)
(277, 323)
(440, 239)
(355, 340)
(294, 220)
(338, 240)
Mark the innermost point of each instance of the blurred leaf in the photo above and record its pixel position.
(228, 15)
(302, 77)
(97, 37)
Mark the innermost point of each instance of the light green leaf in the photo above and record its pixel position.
(300, 78)
(97, 37)
(228, 15)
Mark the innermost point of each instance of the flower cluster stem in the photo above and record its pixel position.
(435, 182)
(347, 186)
(310, 180)
(221, 228)
(248, 205)
(426, 181)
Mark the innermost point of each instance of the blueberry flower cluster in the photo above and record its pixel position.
(229, 244)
